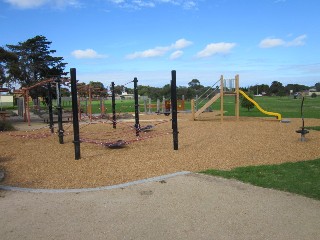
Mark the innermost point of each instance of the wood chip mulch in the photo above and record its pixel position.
(34, 158)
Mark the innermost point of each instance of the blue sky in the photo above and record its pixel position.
(116, 40)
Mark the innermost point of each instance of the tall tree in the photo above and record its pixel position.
(195, 84)
(6, 58)
(98, 89)
(276, 88)
(317, 86)
(295, 88)
(259, 89)
(35, 63)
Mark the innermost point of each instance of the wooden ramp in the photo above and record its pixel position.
(208, 104)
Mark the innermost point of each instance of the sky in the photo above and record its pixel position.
(117, 40)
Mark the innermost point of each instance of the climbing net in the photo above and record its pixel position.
(101, 132)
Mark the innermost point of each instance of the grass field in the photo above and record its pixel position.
(300, 177)
(287, 106)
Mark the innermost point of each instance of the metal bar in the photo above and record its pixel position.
(76, 139)
(59, 108)
(113, 99)
(50, 108)
(174, 109)
(136, 106)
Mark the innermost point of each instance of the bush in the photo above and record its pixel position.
(313, 95)
(245, 103)
(6, 126)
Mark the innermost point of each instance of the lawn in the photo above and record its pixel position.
(287, 106)
(300, 177)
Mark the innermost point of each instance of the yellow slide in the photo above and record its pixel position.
(277, 115)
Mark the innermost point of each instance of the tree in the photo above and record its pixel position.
(118, 89)
(317, 86)
(182, 91)
(35, 63)
(259, 88)
(195, 84)
(245, 103)
(98, 89)
(295, 88)
(276, 88)
(6, 58)
(166, 91)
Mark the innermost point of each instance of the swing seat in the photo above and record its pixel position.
(117, 144)
(302, 131)
(146, 128)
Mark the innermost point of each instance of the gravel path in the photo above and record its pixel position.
(185, 207)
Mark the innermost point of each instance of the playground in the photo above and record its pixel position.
(32, 157)
(109, 151)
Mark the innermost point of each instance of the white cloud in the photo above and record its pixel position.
(160, 51)
(138, 4)
(271, 42)
(29, 4)
(88, 53)
(276, 42)
(176, 54)
(155, 52)
(216, 48)
(298, 41)
(181, 43)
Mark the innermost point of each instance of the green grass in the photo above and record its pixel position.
(286, 106)
(301, 177)
(316, 128)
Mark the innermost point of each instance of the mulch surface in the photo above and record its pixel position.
(32, 156)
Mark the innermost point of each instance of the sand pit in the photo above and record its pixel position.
(35, 159)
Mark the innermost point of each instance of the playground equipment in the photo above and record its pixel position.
(232, 89)
(3, 114)
(277, 115)
(100, 137)
(162, 108)
(302, 131)
(88, 90)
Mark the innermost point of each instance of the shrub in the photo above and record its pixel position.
(313, 95)
(245, 103)
(6, 126)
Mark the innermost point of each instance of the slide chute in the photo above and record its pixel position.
(277, 115)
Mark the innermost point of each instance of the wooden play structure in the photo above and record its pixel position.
(24, 92)
(229, 87)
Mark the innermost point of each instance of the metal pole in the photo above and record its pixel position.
(113, 99)
(174, 109)
(136, 106)
(50, 108)
(59, 108)
(76, 139)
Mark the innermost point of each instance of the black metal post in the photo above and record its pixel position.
(50, 108)
(174, 109)
(136, 107)
(113, 99)
(76, 138)
(59, 108)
